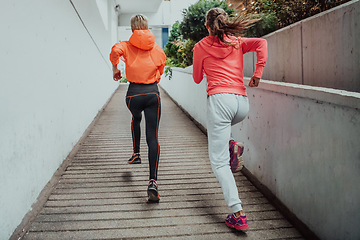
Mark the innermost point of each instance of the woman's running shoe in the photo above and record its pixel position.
(236, 151)
(152, 191)
(239, 223)
(135, 159)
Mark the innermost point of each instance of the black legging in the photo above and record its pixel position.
(150, 104)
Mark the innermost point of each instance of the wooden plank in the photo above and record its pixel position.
(171, 199)
(141, 223)
(212, 231)
(147, 212)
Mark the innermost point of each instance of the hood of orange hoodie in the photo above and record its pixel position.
(143, 39)
(215, 48)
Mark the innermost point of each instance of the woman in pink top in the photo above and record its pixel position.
(220, 57)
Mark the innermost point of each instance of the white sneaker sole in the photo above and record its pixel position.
(237, 150)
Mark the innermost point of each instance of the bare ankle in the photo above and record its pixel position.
(237, 214)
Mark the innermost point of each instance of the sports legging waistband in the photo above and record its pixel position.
(139, 88)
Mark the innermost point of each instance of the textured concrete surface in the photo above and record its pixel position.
(100, 196)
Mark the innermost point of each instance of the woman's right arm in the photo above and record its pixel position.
(116, 52)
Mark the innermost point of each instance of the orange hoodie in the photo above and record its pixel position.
(144, 59)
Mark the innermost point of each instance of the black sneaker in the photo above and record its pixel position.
(135, 159)
(152, 191)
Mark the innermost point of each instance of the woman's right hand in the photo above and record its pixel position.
(116, 74)
(254, 82)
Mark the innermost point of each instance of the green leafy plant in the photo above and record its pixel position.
(178, 50)
(286, 11)
(123, 79)
(168, 70)
(268, 23)
(184, 35)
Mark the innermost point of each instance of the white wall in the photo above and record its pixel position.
(177, 7)
(54, 79)
(159, 18)
(190, 96)
(301, 142)
(168, 13)
(319, 51)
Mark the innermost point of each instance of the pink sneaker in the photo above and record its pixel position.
(236, 151)
(239, 223)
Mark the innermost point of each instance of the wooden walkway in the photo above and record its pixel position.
(100, 196)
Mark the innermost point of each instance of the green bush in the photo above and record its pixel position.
(171, 47)
(184, 35)
(178, 50)
(168, 71)
(290, 11)
(123, 79)
(268, 23)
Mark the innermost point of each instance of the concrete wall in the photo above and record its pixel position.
(320, 51)
(301, 142)
(183, 90)
(55, 76)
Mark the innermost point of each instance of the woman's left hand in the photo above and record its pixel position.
(254, 82)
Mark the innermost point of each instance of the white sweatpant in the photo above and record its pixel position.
(223, 111)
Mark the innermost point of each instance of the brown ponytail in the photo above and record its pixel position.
(219, 24)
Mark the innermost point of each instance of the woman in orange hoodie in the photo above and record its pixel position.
(144, 65)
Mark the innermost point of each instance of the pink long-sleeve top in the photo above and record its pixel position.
(223, 64)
